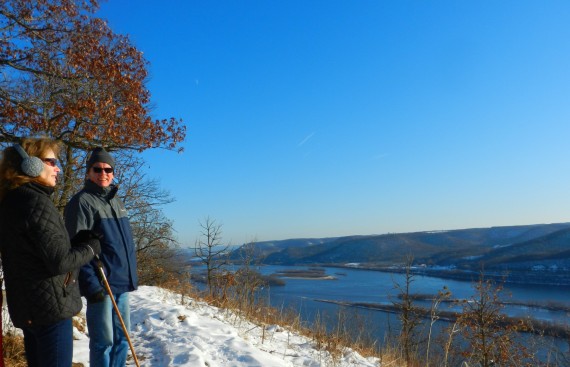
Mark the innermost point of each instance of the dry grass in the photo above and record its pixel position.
(13, 348)
(79, 323)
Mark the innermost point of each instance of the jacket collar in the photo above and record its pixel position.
(48, 190)
(106, 192)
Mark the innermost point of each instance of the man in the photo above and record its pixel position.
(96, 207)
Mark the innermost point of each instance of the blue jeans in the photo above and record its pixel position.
(108, 344)
(49, 346)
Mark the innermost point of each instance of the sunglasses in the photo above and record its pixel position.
(99, 170)
(50, 161)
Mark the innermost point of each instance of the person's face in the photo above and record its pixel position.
(101, 174)
(48, 177)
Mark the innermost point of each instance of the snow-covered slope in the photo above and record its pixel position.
(169, 332)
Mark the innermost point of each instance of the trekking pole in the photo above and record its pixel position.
(108, 289)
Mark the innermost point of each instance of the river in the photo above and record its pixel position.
(370, 286)
(367, 286)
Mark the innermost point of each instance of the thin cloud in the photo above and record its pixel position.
(307, 138)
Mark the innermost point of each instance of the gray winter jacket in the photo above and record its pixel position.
(99, 209)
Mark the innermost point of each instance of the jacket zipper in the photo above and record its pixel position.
(68, 277)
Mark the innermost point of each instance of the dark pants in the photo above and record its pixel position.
(49, 346)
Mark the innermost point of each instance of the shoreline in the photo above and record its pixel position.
(328, 277)
(522, 277)
(538, 327)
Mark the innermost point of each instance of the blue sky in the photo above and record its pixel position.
(331, 118)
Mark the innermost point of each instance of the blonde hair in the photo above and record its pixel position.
(11, 175)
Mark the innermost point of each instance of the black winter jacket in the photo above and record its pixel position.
(40, 265)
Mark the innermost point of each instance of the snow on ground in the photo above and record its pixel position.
(167, 332)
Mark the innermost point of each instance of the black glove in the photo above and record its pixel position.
(83, 236)
(95, 246)
(87, 237)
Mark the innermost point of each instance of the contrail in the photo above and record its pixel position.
(307, 138)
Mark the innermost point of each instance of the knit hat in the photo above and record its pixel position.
(100, 155)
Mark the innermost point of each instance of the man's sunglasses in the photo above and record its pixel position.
(50, 161)
(99, 170)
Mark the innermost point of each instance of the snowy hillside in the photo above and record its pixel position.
(166, 332)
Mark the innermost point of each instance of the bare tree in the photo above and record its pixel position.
(248, 279)
(441, 296)
(153, 233)
(491, 340)
(210, 250)
(409, 315)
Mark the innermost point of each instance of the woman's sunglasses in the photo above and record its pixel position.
(99, 170)
(50, 161)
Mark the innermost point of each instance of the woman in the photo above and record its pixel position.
(40, 263)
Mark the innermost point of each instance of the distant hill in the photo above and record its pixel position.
(551, 249)
(496, 248)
